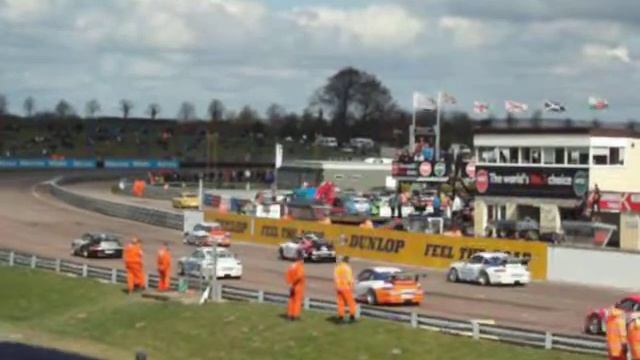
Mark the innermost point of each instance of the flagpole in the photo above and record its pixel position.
(412, 129)
(438, 126)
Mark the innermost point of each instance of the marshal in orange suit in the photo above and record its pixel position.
(132, 256)
(164, 267)
(295, 279)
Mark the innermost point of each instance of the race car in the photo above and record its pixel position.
(388, 285)
(200, 263)
(186, 201)
(97, 245)
(312, 247)
(207, 234)
(488, 268)
(594, 322)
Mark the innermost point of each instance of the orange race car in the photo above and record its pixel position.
(388, 285)
(207, 234)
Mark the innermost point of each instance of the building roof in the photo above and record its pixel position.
(603, 129)
(336, 165)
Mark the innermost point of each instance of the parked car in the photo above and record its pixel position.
(388, 285)
(595, 319)
(351, 205)
(99, 245)
(327, 142)
(526, 228)
(186, 201)
(362, 143)
(207, 234)
(488, 268)
(200, 263)
(312, 248)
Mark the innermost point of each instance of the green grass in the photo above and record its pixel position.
(100, 320)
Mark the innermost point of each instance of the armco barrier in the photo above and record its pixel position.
(476, 330)
(435, 251)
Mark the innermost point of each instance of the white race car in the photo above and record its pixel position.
(207, 234)
(488, 268)
(200, 263)
(310, 246)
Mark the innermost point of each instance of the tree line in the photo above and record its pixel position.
(351, 103)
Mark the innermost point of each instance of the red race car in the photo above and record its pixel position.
(595, 324)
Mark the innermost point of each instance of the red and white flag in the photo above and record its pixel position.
(596, 103)
(448, 98)
(480, 107)
(515, 107)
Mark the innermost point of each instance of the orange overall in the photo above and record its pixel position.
(295, 280)
(343, 278)
(164, 269)
(616, 334)
(633, 336)
(132, 256)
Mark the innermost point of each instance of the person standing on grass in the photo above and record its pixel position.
(295, 279)
(343, 279)
(132, 256)
(164, 267)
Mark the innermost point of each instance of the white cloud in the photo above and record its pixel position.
(598, 52)
(466, 32)
(376, 26)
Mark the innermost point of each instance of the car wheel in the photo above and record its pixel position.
(180, 269)
(281, 253)
(594, 326)
(483, 279)
(452, 276)
(85, 253)
(371, 297)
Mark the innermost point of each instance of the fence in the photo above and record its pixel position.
(476, 330)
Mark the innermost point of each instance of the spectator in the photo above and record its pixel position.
(437, 204)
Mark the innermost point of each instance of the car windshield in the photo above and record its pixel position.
(189, 195)
(385, 276)
(222, 254)
(201, 227)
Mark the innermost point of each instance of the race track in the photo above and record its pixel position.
(35, 222)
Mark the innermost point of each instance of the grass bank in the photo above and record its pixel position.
(96, 319)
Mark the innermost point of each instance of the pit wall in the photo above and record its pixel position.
(434, 251)
(595, 267)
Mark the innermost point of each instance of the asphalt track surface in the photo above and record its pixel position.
(35, 222)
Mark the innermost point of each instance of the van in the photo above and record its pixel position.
(327, 142)
(362, 143)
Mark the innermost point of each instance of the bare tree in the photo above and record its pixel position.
(125, 107)
(64, 109)
(92, 108)
(275, 113)
(215, 110)
(4, 105)
(187, 111)
(247, 115)
(153, 110)
(29, 106)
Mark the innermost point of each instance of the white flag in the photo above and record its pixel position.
(480, 107)
(278, 155)
(423, 102)
(515, 107)
(448, 98)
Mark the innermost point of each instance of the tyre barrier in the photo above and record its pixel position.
(474, 329)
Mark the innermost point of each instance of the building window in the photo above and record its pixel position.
(531, 155)
(488, 155)
(616, 156)
(508, 155)
(553, 156)
(600, 155)
(578, 156)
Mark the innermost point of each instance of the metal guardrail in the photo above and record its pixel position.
(130, 212)
(474, 329)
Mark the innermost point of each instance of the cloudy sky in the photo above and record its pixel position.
(260, 52)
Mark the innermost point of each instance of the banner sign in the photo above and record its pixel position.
(532, 181)
(141, 164)
(419, 169)
(44, 163)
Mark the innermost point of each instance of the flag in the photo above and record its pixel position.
(598, 103)
(515, 107)
(448, 98)
(553, 106)
(480, 107)
(423, 102)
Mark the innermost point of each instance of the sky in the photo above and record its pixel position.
(279, 51)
